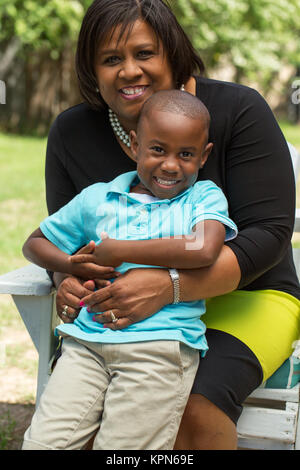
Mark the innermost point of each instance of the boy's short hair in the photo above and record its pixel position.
(177, 102)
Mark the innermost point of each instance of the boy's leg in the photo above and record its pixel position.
(70, 408)
(147, 395)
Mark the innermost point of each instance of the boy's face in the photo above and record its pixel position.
(169, 151)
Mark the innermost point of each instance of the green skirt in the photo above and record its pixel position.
(267, 321)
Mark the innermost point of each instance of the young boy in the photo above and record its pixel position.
(134, 382)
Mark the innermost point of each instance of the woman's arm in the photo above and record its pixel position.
(260, 189)
(219, 279)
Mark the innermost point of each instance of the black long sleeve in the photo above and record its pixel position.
(252, 164)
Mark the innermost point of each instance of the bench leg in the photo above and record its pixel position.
(40, 318)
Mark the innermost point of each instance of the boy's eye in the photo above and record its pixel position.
(157, 149)
(186, 154)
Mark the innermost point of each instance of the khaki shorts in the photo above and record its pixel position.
(135, 392)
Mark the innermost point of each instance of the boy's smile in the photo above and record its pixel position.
(169, 150)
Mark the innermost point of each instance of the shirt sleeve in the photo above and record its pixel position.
(209, 203)
(260, 188)
(59, 187)
(65, 228)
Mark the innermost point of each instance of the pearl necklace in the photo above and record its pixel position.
(117, 127)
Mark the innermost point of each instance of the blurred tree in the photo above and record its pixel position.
(257, 37)
(41, 25)
(37, 45)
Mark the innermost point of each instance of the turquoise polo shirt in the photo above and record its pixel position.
(110, 207)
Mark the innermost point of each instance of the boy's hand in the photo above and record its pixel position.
(90, 269)
(104, 254)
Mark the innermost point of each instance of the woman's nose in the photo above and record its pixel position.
(130, 69)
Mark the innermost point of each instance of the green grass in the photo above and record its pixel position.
(7, 426)
(22, 195)
(291, 133)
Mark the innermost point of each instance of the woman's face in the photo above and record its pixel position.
(130, 71)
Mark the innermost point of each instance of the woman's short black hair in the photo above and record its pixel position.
(103, 16)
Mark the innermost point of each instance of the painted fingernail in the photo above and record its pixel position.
(94, 319)
(88, 309)
(81, 303)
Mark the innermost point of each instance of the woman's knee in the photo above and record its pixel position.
(205, 426)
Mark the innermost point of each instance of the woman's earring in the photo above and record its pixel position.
(182, 87)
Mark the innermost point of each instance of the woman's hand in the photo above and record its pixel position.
(133, 296)
(69, 293)
(71, 289)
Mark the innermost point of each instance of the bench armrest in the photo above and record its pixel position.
(30, 280)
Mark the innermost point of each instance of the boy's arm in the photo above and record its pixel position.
(174, 252)
(39, 250)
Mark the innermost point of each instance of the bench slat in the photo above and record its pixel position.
(279, 425)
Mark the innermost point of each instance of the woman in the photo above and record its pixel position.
(127, 50)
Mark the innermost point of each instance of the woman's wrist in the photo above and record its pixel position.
(59, 277)
(166, 286)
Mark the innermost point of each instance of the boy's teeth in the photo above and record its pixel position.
(160, 181)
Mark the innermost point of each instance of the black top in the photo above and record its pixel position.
(250, 161)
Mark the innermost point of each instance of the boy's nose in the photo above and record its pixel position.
(170, 165)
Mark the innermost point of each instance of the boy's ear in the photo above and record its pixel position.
(206, 153)
(133, 144)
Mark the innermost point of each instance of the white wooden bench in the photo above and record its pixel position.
(270, 419)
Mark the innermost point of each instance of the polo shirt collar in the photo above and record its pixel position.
(121, 185)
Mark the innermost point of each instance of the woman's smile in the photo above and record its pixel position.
(133, 92)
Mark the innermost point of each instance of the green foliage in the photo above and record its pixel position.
(41, 25)
(256, 36)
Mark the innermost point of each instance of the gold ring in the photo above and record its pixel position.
(114, 319)
(68, 315)
(65, 310)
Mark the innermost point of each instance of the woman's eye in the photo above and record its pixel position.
(144, 54)
(112, 60)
